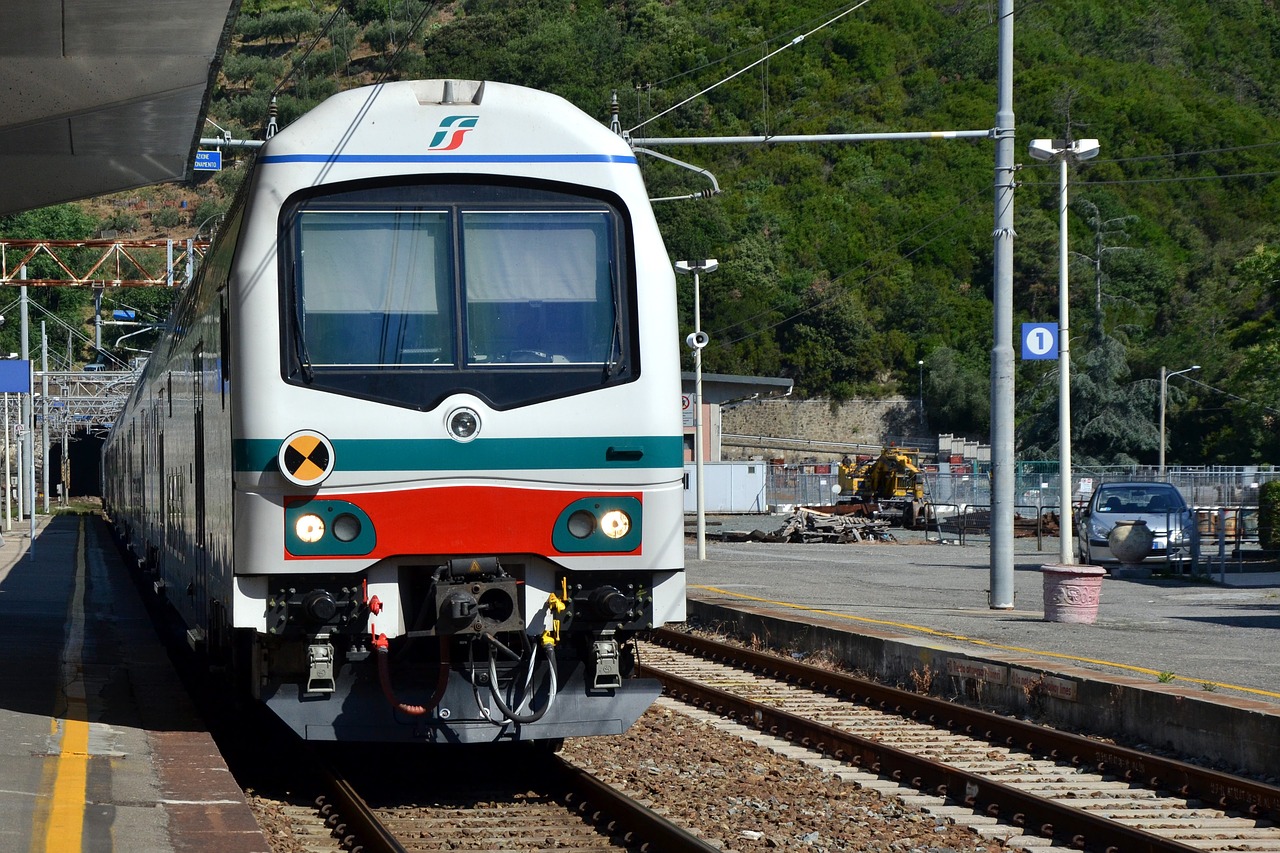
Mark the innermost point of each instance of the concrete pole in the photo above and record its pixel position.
(1002, 385)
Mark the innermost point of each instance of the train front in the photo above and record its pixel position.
(458, 455)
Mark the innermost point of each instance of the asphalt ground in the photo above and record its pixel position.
(1219, 630)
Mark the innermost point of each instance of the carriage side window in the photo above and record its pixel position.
(374, 288)
(538, 287)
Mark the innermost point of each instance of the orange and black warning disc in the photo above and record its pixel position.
(306, 458)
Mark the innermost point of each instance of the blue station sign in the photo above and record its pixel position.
(208, 161)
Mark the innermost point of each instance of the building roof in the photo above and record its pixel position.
(724, 388)
(98, 96)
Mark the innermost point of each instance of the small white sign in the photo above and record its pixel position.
(687, 408)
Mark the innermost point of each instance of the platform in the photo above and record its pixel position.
(100, 749)
(1191, 665)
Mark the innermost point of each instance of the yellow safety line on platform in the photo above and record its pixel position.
(977, 642)
(61, 828)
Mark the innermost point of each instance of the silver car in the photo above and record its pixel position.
(1160, 505)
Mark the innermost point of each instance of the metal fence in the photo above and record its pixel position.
(1225, 498)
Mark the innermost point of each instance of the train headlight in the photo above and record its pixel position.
(464, 424)
(582, 524)
(615, 524)
(346, 527)
(600, 524)
(309, 527)
(327, 527)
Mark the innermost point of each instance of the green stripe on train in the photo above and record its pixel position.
(492, 454)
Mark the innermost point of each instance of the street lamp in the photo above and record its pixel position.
(1165, 376)
(1064, 150)
(920, 364)
(696, 341)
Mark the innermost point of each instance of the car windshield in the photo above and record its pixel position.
(1139, 499)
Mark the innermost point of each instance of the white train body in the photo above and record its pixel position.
(409, 456)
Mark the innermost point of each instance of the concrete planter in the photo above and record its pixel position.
(1072, 593)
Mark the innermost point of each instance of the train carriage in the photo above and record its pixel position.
(408, 459)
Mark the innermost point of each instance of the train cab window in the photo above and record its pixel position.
(538, 288)
(374, 288)
(407, 294)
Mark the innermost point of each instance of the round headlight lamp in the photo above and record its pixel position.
(463, 424)
(346, 527)
(309, 527)
(582, 524)
(615, 524)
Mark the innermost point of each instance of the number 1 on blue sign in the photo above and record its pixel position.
(1039, 340)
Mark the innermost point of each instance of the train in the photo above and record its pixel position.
(406, 463)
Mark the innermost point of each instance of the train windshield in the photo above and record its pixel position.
(409, 294)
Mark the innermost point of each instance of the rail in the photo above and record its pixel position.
(1225, 791)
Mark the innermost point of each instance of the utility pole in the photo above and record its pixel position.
(1002, 387)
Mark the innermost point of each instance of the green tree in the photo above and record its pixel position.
(956, 395)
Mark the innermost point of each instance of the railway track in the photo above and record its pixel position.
(1082, 793)
(531, 802)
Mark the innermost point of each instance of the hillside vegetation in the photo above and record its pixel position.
(844, 265)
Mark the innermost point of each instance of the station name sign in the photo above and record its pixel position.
(208, 161)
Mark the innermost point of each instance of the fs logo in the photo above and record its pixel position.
(451, 132)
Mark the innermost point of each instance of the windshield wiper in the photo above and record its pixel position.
(613, 362)
(299, 336)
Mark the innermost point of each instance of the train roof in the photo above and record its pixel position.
(428, 124)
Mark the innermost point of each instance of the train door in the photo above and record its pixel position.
(163, 485)
(200, 549)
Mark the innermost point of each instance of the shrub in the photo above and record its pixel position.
(166, 217)
(1269, 515)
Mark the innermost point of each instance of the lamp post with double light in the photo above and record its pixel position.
(1165, 376)
(1064, 150)
(697, 341)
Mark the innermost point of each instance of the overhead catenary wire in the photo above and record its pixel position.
(391, 62)
(324, 31)
(843, 277)
(795, 41)
(1236, 397)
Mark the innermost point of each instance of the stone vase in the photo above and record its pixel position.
(1130, 543)
(1072, 593)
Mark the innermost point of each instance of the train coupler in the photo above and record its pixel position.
(320, 666)
(606, 660)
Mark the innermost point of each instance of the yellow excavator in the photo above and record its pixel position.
(891, 480)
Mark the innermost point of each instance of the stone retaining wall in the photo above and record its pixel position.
(818, 422)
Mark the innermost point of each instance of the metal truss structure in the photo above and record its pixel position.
(103, 263)
(82, 401)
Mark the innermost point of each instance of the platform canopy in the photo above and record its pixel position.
(98, 96)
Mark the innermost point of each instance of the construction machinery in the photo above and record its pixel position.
(890, 485)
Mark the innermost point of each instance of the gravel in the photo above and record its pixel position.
(744, 797)
(733, 793)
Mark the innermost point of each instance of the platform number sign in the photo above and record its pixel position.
(1039, 340)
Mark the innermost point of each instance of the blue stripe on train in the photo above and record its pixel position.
(448, 158)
